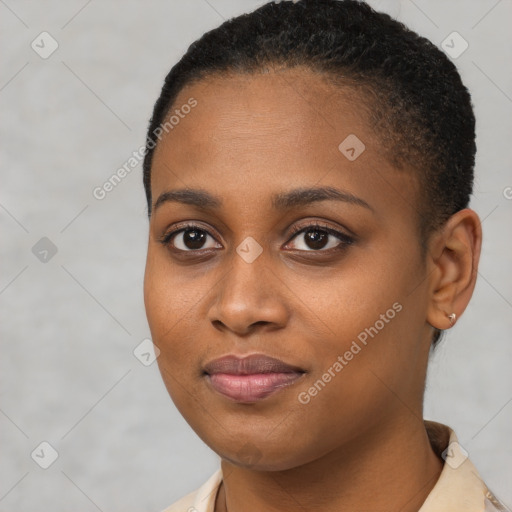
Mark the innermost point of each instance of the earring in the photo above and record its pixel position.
(452, 318)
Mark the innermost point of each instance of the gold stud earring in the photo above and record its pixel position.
(452, 318)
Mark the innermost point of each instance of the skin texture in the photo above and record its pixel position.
(360, 443)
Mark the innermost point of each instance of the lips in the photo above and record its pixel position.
(250, 378)
(255, 363)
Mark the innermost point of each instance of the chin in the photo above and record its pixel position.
(266, 456)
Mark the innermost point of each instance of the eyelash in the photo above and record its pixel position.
(345, 239)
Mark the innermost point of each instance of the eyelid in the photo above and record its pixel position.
(321, 226)
(179, 228)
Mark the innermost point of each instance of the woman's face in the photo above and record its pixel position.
(346, 306)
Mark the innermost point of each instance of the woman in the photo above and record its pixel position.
(308, 171)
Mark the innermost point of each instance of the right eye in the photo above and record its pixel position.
(190, 238)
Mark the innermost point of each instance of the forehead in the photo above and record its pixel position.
(249, 133)
(245, 110)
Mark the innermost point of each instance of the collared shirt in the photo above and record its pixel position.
(458, 489)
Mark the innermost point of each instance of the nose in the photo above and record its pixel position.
(249, 297)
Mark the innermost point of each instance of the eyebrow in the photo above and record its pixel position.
(281, 201)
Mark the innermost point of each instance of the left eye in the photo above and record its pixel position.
(313, 238)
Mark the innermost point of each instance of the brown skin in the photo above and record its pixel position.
(360, 443)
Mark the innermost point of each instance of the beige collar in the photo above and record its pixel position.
(458, 489)
(459, 486)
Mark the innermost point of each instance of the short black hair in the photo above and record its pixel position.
(416, 101)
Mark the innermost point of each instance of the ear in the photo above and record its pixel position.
(454, 254)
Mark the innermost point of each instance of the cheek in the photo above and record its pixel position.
(154, 294)
(366, 315)
(173, 298)
(351, 300)
(177, 360)
(165, 310)
(167, 297)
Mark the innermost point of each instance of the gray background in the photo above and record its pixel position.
(69, 325)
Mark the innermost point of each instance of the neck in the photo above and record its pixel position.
(391, 468)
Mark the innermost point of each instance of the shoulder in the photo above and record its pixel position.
(200, 500)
